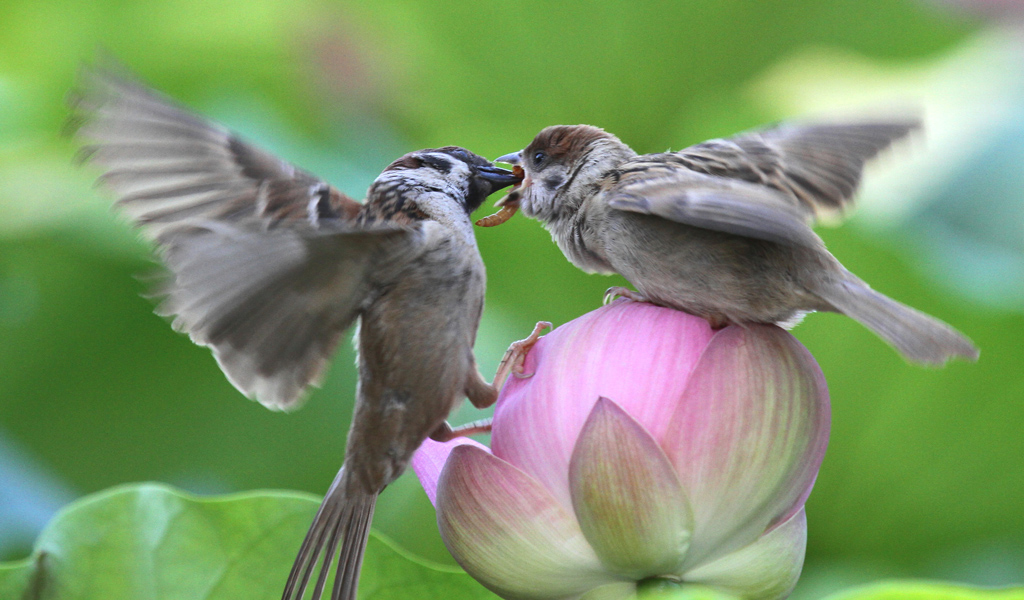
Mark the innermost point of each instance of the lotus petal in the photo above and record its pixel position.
(766, 569)
(430, 458)
(625, 590)
(628, 499)
(510, 533)
(639, 354)
(749, 436)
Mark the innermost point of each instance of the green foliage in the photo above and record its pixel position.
(150, 542)
(890, 590)
(925, 590)
(923, 474)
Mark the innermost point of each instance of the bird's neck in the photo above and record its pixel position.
(575, 221)
(591, 172)
(575, 235)
(391, 202)
(395, 205)
(451, 215)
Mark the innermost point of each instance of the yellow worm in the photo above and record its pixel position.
(499, 217)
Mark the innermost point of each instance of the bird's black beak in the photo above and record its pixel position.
(497, 177)
(487, 180)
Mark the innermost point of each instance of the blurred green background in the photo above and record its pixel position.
(925, 473)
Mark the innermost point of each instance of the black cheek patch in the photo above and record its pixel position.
(478, 192)
(554, 182)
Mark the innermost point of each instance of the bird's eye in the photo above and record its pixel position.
(539, 158)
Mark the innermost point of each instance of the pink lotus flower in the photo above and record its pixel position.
(644, 447)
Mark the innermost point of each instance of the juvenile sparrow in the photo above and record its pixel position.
(722, 229)
(268, 265)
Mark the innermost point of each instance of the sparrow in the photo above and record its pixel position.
(722, 229)
(268, 265)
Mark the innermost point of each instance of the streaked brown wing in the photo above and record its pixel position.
(272, 304)
(817, 166)
(265, 263)
(167, 165)
(672, 192)
(771, 184)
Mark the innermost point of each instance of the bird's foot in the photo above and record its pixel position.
(718, 322)
(446, 433)
(515, 356)
(621, 292)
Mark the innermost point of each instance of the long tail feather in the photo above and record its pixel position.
(342, 520)
(919, 337)
(346, 580)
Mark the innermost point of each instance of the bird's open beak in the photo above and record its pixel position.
(514, 159)
(509, 204)
(497, 177)
(510, 159)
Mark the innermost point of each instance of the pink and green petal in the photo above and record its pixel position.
(624, 590)
(509, 533)
(430, 458)
(748, 437)
(627, 497)
(766, 569)
(639, 354)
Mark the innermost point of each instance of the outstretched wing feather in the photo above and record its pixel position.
(166, 164)
(272, 304)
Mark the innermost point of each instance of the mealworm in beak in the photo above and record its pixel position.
(509, 204)
(499, 217)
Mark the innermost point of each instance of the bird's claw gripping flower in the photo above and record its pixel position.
(646, 446)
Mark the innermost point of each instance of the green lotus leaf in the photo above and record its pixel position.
(151, 542)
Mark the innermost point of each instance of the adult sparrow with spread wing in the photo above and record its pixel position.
(722, 229)
(268, 265)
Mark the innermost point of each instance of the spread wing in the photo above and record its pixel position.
(272, 304)
(771, 184)
(166, 165)
(265, 263)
